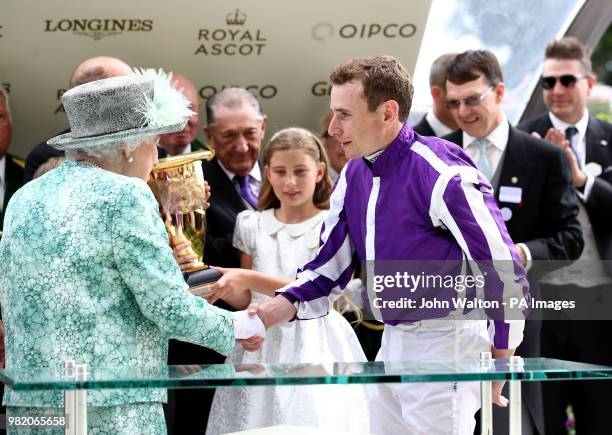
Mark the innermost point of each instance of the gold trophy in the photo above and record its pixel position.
(178, 185)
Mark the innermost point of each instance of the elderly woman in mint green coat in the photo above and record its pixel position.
(86, 273)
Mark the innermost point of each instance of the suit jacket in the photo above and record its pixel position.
(14, 180)
(225, 204)
(545, 220)
(599, 202)
(423, 128)
(104, 290)
(197, 145)
(38, 156)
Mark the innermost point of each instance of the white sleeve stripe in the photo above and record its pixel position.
(497, 247)
(371, 220)
(302, 278)
(468, 173)
(500, 253)
(337, 264)
(425, 152)
(336, 205)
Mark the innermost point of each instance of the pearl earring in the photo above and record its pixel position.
(130, 159)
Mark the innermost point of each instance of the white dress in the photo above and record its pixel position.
(279, 249)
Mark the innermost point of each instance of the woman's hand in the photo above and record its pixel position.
(186, 259)
(252, 344)
(233, 282)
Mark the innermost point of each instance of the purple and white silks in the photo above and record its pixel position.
(421, 199)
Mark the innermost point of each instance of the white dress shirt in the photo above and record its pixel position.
(579, 145)
(440, 129)
(498, 139)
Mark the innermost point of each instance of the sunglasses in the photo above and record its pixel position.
(470, 101)
(567, 80)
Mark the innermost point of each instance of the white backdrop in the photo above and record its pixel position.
(281, 50)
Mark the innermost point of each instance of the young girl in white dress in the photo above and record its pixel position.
(273, 244)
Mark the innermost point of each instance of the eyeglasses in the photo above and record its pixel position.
(567, 80)
(470, 101)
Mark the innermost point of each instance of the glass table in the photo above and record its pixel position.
(75, 380)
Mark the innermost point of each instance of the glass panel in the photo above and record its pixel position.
(508, 28)
(222, 375)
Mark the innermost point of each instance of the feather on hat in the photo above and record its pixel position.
(122, 108)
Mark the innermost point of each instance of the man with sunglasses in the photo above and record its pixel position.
(532, 187)
(567, 80)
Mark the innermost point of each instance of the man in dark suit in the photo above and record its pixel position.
(184, 141)
(235, 130)
(532, 186)
(95, 68)
(11, 168)
(567, 80)
(438, 121)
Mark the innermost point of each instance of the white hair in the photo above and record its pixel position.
(4, 94)
(108, 152)
(231, 98)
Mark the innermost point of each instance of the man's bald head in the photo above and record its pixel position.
(177, 143)
(187, 88)
(98, 68)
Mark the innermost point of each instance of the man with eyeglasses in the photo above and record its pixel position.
(532, 187)
(567, 80)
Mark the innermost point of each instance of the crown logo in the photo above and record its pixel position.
(236, 18)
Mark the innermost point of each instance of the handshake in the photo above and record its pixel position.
(251, 325)
(249, 329)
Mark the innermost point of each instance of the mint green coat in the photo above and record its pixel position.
(86, 274)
